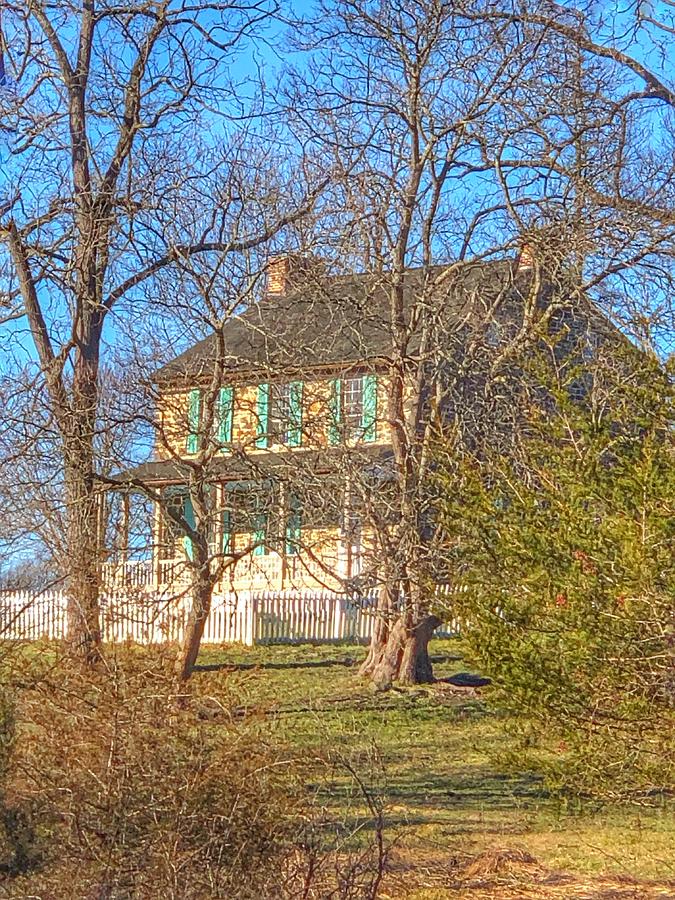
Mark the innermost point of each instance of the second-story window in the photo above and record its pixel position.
(194, 413)
(279, 409)
(279, 415)
(353, 409)
(199, 421)
(224, 415)
(352, 406)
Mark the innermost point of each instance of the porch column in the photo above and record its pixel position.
(283, 512)
(124, 529)
(345, 539)
(156, 545)
(218, 532)
(101, 523)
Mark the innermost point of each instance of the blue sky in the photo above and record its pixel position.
(268, 49)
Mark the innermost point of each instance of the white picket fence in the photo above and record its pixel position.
(246, 617)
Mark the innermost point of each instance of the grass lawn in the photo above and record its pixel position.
(445, 793)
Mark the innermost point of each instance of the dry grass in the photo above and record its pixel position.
(461, 823)
(449, 798)
(112, 787)
(509, 872)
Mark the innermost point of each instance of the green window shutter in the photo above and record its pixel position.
(189, 516)
(369, 415)
(225, 414)
(295, 414)
(263, 415)
(335, 410)
(260, 534)
(227, 533)
(293, 526)
(194, 419)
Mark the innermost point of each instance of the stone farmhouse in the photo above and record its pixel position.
(286, 416)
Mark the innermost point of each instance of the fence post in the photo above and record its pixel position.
(338, 617)
(251, 616)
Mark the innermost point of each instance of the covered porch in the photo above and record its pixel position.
(291, 529)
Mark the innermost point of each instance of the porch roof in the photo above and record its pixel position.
(374, 460)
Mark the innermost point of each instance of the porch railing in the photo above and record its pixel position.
(268, 572)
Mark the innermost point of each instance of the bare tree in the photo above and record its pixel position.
(113, 104)
(465, 133)
(192, 444)
(625, 197)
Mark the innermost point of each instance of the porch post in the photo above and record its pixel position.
(283, 512)
(345, 548)
(101, 523)
(218, 532)
(156, 546)
(124, 529)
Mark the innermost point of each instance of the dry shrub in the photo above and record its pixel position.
(500, 861)
(339, 858)
(114, 789)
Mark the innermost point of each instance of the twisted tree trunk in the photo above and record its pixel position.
(415, 666)
(405, 656)
(381, 628)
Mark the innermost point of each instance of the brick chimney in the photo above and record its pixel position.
(525, 259)
(290, 271)
(277, 274)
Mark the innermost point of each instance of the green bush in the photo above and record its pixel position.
(565, 550)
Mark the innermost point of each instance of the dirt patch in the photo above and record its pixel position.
(507, 874)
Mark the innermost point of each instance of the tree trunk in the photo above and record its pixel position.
(200, 606)
(415, 666)
(83, 555)
(405, 655)
(380, 636)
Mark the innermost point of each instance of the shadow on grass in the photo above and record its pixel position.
(368, 705)
(452, 800)
(345, 662)
(476, 788)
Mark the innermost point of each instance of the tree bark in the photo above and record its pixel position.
(385, 672)
(404, 658)
(380, 636)
(83, 562)
(200, 607)
(77, 423)
(415, 666)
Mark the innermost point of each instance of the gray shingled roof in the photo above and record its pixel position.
(338, 320)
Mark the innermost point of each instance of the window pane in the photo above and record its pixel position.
(322, 511)
(320, 502)
(252, 509)
(352, 405)
(172, 535)
(280, 412)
